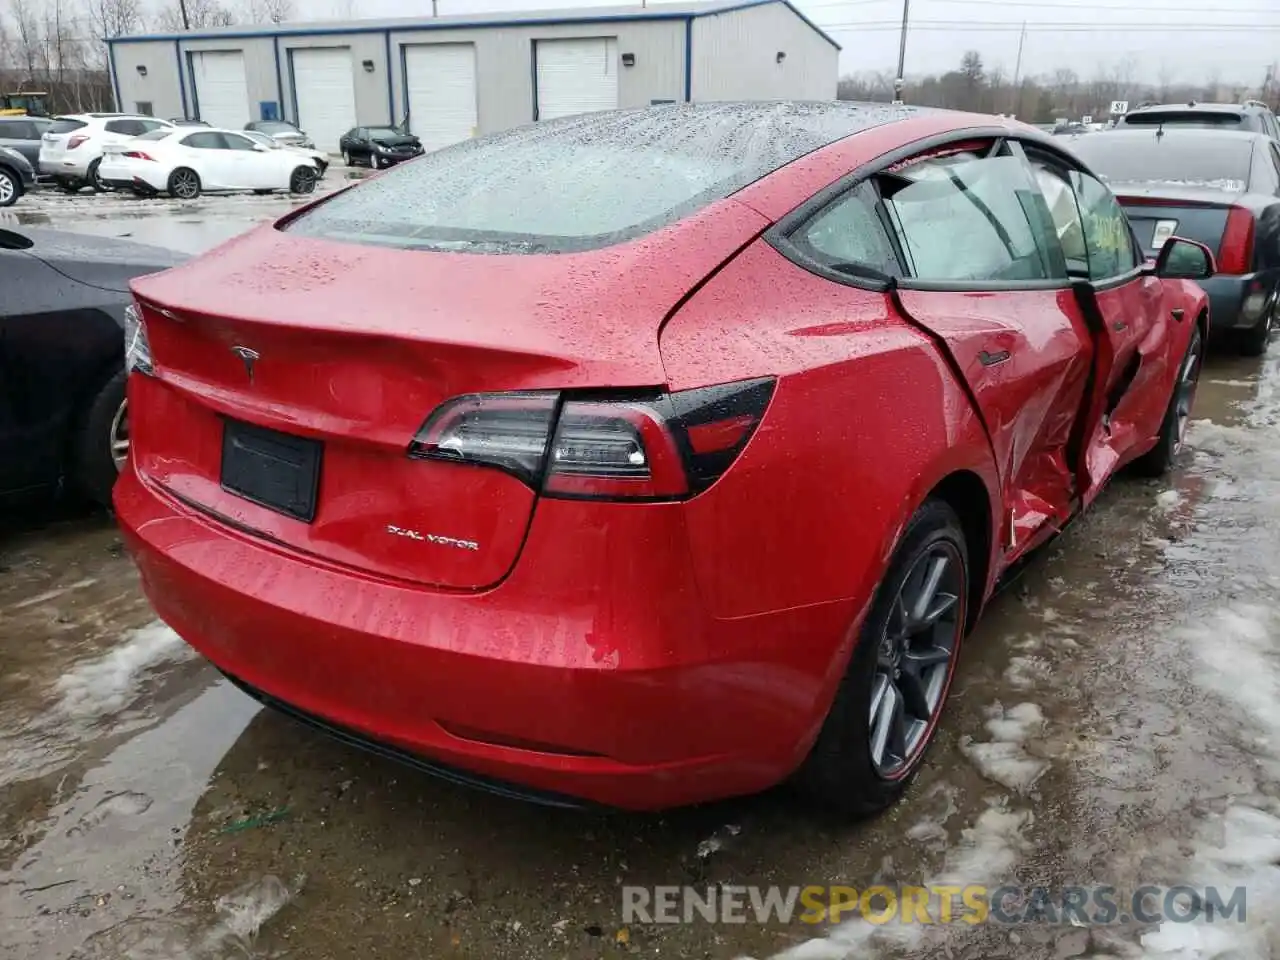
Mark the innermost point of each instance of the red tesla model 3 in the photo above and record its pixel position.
(653, 456)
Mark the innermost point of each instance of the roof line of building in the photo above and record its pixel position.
(503, 20)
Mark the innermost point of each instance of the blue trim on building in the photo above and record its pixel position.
(391, 87)
(293, 88)
(533, 74)
(688, 60)
(115, 81)
(652, 13)
(195, 90)
(275, 47)
(182, 80)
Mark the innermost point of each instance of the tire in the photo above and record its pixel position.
(10, 187)
(842, 771)
(303, 179)
(94, 451)
(375, 161)
(346, 159)
(184, 184)
(1157, 461)
(93, 178)
(68, 185)
(321, 166)
(1254, 343)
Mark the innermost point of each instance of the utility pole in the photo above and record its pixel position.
(186, 20)
(900, 81)
(1017, 72)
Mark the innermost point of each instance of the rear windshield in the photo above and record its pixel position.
(1184, 118)
(580, 182)
(65, 125)
(1220, 162)
(384, 132)
(271, 126)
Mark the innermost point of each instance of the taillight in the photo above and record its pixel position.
(76, 141)
(1236, 252)
(138, 155)
(654, 446)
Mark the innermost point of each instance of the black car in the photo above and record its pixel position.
(378, 147)
(17, 176)
(1254, 116)
(63, 416)
(1218, 186)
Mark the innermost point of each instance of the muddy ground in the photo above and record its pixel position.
(1116, 720)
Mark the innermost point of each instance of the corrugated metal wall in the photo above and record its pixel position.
(735, 57)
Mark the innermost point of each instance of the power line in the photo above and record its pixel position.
(1053, 4)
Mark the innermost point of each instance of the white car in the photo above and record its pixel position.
(72, 148)
(187, 161)
(318, 157)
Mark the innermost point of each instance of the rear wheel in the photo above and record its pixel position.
(346, 159)
(1254, 343)
(303, 179)
(10, 188)
(1173, 429)
(69, 185)
(101, 443)
(887, 708)
(184, 184)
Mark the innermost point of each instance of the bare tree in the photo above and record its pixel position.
(27, 45)
(201, 14)
(269, 11)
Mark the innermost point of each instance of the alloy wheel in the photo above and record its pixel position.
(8, 190)
(304, 180)
(185, 184)
(1185, 391)
(120, 436)
(915, 659)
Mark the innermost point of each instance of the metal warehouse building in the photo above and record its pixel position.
(453, 77)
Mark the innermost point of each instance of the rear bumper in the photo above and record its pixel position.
(66, 166)
(126, 174)
(1230, 307)
(591, 672)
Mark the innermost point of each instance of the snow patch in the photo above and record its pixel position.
(110, 682)
(1004, 759)
(1168, 500)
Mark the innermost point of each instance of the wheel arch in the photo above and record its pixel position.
(966, 493)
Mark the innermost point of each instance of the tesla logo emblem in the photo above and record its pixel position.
(249, 357)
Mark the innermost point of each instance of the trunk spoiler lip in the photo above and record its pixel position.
(1175, 195)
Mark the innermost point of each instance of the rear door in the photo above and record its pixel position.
(988, 281)
(1123, 303)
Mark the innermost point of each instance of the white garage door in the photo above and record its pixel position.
(222, 95)
(326, 94)
(440, 79)
(576, 76)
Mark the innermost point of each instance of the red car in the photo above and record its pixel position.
(653, 456)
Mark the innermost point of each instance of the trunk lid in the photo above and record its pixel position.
(354, 346)
(1158, 211)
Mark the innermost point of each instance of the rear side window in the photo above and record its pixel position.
(65, 125)
(129, 128)
(18, 130)
(969, 220)
(849, 232)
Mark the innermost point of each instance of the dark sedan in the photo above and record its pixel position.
(63, 416)
(378, 147)
(1219, 187)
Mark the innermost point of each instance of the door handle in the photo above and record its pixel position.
(1119, 325)
(991, 359)
(1178, 313)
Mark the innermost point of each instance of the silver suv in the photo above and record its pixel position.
(1252, 116)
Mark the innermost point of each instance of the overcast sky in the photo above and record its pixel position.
(1188, 40)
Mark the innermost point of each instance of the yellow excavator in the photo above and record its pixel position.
(30, 104)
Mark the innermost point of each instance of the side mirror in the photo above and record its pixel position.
(1184, 259)
(261, 148)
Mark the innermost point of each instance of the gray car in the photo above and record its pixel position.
(16, 176)
(284, 133)
(23, 134)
